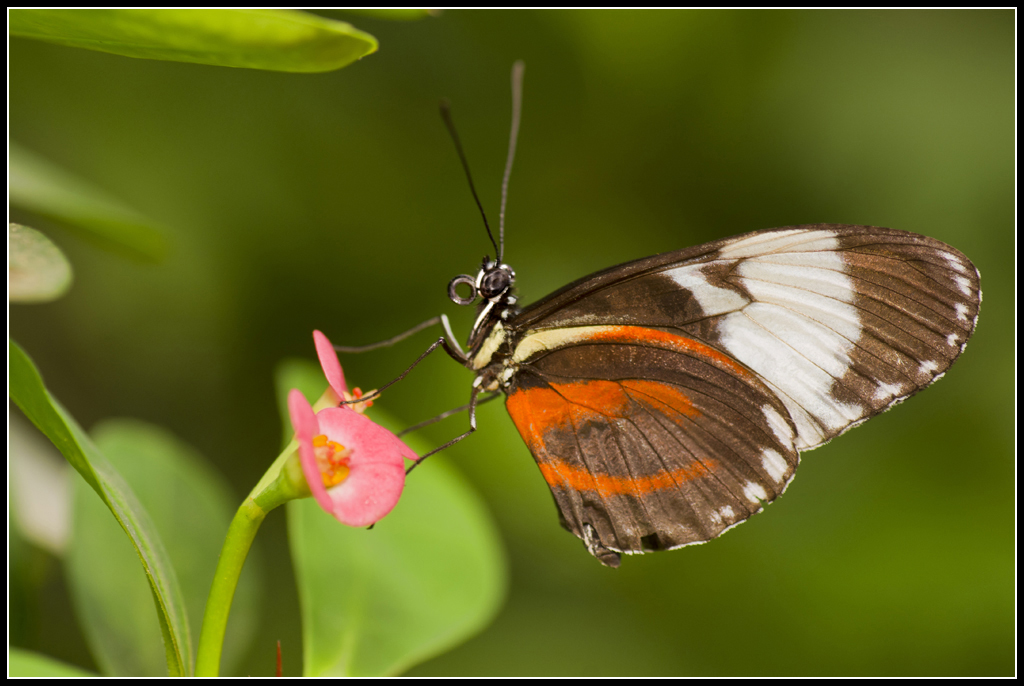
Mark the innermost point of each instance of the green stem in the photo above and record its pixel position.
(272, 490)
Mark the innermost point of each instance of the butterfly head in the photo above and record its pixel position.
(493, 283)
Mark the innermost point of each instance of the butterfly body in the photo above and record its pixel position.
(666, 400)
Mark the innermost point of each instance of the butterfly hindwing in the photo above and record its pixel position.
(650, 440)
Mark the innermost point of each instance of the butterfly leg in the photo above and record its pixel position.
(440, 342)
(444, 415)
(472, 427)
(451, 345)
(448, 342)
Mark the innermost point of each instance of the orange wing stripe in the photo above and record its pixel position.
(597, 397)
(663, 393)
(537, 412)
(562, 405)
(668, 341)
(561, 475)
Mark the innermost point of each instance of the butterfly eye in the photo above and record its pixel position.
(453, 292)
(494, 283)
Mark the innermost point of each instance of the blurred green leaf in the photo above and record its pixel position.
(278, 40)
(109, 595)
(424, 579)
(37, 270)
(28, 392)
(300, 374)
(25, 663)
(191, 507)
(41, 187)
(392, 13)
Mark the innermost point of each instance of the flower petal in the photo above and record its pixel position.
(370, 492)
(370, 442)
(376, 468)
(329, 363)
(303, 420)
(306, 426)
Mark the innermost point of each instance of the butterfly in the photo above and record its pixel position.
(668, 399)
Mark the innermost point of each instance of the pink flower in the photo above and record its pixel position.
(354, 468)
(336, 389)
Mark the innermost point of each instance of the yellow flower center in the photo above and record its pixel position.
(356, 394)
(331, 460)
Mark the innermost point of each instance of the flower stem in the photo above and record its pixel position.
(287, 484)
(236, 547)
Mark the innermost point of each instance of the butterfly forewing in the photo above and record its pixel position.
(841, 321)
(779, 340)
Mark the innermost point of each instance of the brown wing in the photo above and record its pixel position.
(651, 441)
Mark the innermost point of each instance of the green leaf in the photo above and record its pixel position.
(191, 507)
(25, 663)
(110, 594)
(392, 13)
(37, 270)
(278, 40)
(43, 188)
(425, 578)
(300, 374)
(28, 392)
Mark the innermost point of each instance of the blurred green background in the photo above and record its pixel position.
(336, 201)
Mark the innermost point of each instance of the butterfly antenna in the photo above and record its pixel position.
(517, 106)
(446, 114)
